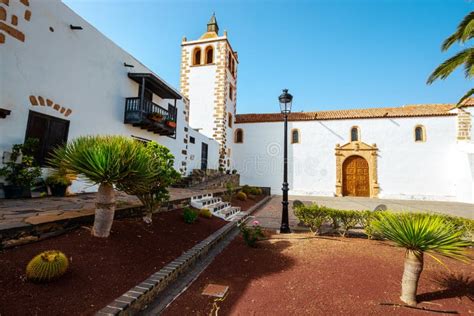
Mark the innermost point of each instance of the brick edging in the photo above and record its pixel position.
(142, 294)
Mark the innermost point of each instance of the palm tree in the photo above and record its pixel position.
(420, 234)
(106, 161)
(464, 32)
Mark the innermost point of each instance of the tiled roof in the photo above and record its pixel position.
(403, 111)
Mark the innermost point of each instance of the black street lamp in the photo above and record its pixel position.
(285, 107)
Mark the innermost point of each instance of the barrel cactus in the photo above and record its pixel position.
(47, 266)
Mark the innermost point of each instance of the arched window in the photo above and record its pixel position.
(209, 55)
(355, 134)
(239, 136)
(295, 136)
(229, 119)
(230, 61)
(197, 56)
(231, 92)
(420, 133)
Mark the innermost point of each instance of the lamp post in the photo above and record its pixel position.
(285, 100)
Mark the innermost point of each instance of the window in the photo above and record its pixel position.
(295, 136)
(230, 61)
(355, 137)
(50, 132)
(231, 92)
(420, 134)
(209, 55)
(239, 136)
(192, 140)
(197, 56)
(229, 119)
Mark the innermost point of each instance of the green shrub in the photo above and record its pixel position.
(348, 220)
(190, 215)
(334, 216)
(251, 234)
(297, 203)
(312, 215)
(241, 196)
(246, 189)
(206, 213)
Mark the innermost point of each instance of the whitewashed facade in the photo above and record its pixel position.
(441, 167)
(78, 76)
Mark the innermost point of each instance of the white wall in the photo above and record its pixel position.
(406, 169)
(79, 69)
(194, 151)
(201, 91)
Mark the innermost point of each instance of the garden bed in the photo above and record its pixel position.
(100, 269)
(305, 275)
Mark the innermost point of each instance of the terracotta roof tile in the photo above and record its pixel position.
(403, 111)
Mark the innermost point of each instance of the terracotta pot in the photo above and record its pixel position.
(171, 123)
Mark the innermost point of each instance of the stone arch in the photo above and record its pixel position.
(365, 151)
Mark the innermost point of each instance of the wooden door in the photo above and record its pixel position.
(355, 177)
(50, 132)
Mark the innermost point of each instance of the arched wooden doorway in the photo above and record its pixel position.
(355, 177)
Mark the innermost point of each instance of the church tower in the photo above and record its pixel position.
(209, 81)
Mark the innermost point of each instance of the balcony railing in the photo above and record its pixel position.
(150, 116)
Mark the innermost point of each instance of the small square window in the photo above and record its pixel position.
(192, 140)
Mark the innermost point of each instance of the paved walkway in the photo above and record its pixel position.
(270, 215)
(24, 212)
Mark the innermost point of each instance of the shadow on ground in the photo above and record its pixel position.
(454, 285)
(222, 271)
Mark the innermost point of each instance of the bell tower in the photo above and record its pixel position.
(209, 81)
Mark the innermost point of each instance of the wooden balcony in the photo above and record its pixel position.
(150, 116)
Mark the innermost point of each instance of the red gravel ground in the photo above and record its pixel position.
(100, 269)
(300, 274)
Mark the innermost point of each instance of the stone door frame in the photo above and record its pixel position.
(366, 151)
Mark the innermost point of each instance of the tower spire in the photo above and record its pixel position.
(212, 24)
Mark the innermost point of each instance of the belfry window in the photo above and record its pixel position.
(420, 134)
(229, 120)
(231, 92)
(355, 134)
(295, 136)
(209, 55)
(197, 56)
(239, 136)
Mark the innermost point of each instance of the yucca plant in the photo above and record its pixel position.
(464, 32)
(419, 234)
(106, 161)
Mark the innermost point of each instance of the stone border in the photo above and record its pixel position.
(133, 301)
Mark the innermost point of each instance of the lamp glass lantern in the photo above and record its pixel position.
(285, 102)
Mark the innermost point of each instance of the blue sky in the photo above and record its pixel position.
(330, 54)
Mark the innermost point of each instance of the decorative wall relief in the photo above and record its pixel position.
(9, 23)
(40, 101)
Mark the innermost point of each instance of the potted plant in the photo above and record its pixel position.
(58, 182)
(21, 170)
(156, 117)
(171, 123)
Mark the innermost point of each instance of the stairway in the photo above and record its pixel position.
(217, 207)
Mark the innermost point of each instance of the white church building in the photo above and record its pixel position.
(61, 78)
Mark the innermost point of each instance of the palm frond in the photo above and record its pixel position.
(105, 159)
(464, 32)
(467, 95)
(448, 66)
(423, 232)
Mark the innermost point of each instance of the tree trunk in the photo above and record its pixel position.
(104, 211)
(411, 275)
